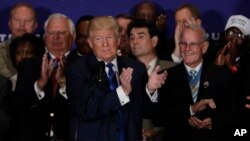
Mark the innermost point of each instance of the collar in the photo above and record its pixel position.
(151, 65)
(114, 61)
(53, 57)
(197, 68)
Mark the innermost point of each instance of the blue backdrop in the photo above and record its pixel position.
(214, 12)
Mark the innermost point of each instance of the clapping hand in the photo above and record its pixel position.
(202, 105)
(156, 79)
(125, 78)
(200, 124)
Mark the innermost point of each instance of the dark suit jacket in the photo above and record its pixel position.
(5, 95)
(98, 107)
(175, 99)
(32, 115)
(242, 85)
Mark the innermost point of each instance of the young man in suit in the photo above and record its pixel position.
(200, 106)
(143, 38)
(40, 99)
(104, 112)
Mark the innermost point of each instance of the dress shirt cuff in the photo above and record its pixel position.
(158, 129)
(40, 94)
(153, 97)
(124, 99)
(191, 112)
(62, 91)
(175, 58)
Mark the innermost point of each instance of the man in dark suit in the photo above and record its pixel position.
(40, 100)
(100, 112)
(143, 37)
(5, 95)
(200, 107)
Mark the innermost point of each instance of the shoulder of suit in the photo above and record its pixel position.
(5, 44)
(164, 64)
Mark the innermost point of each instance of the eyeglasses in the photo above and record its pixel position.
(56, 33)
(191, 45)
(232, 33)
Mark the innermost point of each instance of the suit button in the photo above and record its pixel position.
(51, 114)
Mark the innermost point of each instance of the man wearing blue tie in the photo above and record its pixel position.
(197, 97)
(105, 90)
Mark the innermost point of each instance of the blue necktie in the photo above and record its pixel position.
(112, 77)
(113, 85)
(193, 83)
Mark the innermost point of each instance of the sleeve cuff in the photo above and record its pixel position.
(62, 91)
(191, 112)
(40, 94)
(124, 99)
(153, 97)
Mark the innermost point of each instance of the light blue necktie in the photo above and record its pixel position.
(113, 85)
(193, 83)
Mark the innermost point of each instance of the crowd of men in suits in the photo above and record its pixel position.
(97, 93)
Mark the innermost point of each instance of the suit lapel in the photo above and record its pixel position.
(94, 69)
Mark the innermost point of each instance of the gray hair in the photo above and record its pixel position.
(71, 25)
(196, 27)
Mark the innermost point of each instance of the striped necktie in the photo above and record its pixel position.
(193, 83)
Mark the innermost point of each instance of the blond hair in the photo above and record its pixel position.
(103, 22)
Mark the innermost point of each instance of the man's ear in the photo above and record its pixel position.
(90, 43)
(155, 41)
(205, 47)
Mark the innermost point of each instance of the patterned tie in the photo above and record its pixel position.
(113, 85)
(193, 83)
(112, 77)
(53, 76)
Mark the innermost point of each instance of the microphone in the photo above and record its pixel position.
(97, 77)
(101, 65)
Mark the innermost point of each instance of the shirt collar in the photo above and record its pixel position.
(197, 68)
(114, 62)
(53, 57)
(151, 65)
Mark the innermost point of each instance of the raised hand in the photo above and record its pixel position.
(248, 105)
(200, 124)
(46, 71)
(156, 79)
(125, 78)
(161, 23)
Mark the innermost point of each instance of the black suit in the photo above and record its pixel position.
(5, 95)
(176, 98)
(98, 107)
(33, 116)
(242, 85)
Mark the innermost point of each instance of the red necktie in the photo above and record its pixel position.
(53, 77)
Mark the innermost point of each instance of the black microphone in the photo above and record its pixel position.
(101, 65)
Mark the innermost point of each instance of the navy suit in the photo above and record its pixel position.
(176, 98)
(96, 107)
(32, 116)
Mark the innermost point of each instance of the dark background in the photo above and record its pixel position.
(214, 12)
